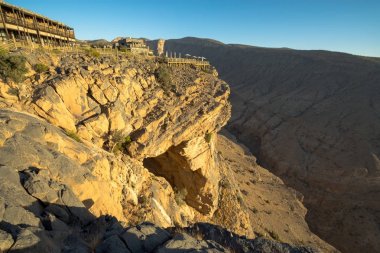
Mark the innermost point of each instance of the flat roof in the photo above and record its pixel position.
(33, 14)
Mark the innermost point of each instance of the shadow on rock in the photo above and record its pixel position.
(38, 214)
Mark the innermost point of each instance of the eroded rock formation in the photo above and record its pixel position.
(312, 117)
(74, 141)
(94, 146)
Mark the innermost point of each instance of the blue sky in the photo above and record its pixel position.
(351, 26)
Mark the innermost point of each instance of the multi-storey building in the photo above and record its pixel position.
(18, 24)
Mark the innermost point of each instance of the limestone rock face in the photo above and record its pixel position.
(312, 118)
(191, 167)
(98, 145)
(129, 145)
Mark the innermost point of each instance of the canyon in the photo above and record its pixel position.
(119, 153)
(312, 118)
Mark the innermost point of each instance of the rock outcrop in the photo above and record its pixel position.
(93, 147)
(311, 117)
(74, 141)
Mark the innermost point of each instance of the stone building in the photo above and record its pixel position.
(135, 46)
(18, 24)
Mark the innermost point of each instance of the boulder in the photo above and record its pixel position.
(144, 237)
(6, 241)
(183, 242)
(112, 244)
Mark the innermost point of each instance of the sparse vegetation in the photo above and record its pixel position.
(73, 136)
(208, 137)
(274, 235)
(13, 91)
(259, 234)
(12, 67)
(240, 199)
(163, 76)
(120, 142)
(92, 52)
(123, 49)
(143, 200)
(40, 68)
(56, 51)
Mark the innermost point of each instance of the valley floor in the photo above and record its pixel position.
(276, 210)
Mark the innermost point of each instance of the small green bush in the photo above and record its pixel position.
(274, 235)
(73, 136)
(13, 91)
(240, 200)
(12, 67)
(40, 68)
(259, 234)
(163, 76)
(208, 137)
(56, 51)
(123, 49)
(92, 52)
(121, 143)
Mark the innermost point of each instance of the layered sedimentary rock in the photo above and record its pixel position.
(74, 141)
(311, 117)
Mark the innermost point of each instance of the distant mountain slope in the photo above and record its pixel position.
(313, 118)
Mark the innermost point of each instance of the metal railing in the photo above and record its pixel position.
(186, 61)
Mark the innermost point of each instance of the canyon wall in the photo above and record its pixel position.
(312, 118)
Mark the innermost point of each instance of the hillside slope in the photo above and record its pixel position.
(313, 118)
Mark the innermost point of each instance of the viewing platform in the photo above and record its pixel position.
(187, 61)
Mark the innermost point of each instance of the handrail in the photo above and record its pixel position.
(186, 61)
(44, 28)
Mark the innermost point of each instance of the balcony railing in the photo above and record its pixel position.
(186, 61)
(40, 27)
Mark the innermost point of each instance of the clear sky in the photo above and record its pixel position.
(351, 26)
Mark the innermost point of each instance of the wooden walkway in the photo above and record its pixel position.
(186, 61)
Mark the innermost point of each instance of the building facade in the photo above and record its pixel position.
(137, 46)
(18, 24)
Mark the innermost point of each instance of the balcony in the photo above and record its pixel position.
(41, 27)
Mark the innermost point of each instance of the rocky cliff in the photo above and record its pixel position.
(95, 150)
(311, 117)
(125, 137)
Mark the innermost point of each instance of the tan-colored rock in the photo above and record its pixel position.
(137, 89)
(134, 114)
(99, 124)
(73, 92)
(50, 106)
(111, 93)
(98, 95)
(108, 71)
(191, 168)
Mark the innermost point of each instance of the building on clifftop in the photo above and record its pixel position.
(21, 25)
(132, 45)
